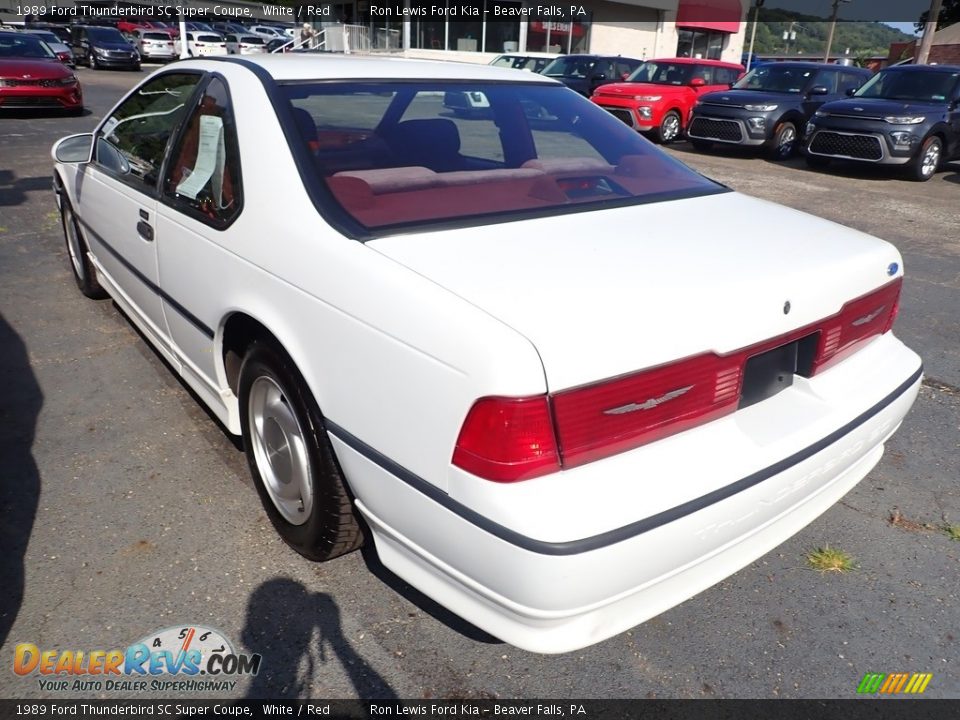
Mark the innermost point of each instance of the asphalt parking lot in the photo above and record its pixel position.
(127, 509)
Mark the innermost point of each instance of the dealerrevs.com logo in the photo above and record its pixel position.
(184, 659)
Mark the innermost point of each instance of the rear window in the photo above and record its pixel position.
(155, 36)
(251, 40)
(210, 39)
(399, 154)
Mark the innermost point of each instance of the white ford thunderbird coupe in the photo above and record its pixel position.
(560, 379)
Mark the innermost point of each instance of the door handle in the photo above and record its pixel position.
(145, 230)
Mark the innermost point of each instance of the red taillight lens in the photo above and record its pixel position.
(859, 320)
(508, 439)
(616, 415)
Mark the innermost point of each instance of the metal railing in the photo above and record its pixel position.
(346, 39)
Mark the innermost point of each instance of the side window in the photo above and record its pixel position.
(705, 72)
(132, 141)
(827, 78)
(203, 176)
(624, 69)
(725, 76)
(850, 80)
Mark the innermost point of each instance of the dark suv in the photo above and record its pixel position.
(585, 73)
(907, 115)
(770, 105)
(100, 46)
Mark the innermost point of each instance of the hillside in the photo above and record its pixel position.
(862, 38)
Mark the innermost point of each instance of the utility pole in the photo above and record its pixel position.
(753, 34)
(833, 27)
(926, 42)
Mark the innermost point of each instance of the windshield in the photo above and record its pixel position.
(396, 154)
(663, 73)
(571, 66)
(24, 46)
(777, 78)
(106, 34)
(911, 85)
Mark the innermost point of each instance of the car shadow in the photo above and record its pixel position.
(13, 190)
(954, 172)
(415, 597)
(293, 629)
(19, 475)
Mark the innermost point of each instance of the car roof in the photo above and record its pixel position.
(600, 56)
(306, 66)
(925, 68)
(697, 61)
(816, 65)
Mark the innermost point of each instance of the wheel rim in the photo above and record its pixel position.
(73, 242)
(671, 127)
(931, 159)
(280, 450)
(788, 136)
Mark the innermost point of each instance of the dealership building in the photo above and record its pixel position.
(440, 29)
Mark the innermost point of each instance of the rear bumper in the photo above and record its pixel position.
(560, 595)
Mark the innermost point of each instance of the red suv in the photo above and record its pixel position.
(660, 94)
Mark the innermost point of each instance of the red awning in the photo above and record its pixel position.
(720, 15)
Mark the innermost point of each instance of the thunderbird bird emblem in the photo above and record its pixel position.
(649, 404)
(867, 318)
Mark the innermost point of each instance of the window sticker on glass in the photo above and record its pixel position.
(211, 155)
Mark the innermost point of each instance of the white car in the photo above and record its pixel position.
(245, 44)
(201, 43)
(268, 31)
(561, 381)
(154, 44)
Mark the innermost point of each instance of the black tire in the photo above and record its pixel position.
(701, 145)
(330, 528)
(815, 161)
(785, 141)
(83, 272)
(670, 128)
(921, 168)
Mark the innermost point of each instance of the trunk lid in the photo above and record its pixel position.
(601, 294)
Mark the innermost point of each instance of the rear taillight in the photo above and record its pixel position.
(859, 320)
(616, 415)
(510, 439)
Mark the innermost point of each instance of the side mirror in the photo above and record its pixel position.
(818, 90)
(698, 82)
(73, 149)
(850, 92)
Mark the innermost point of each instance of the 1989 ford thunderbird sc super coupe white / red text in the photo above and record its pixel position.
(562, 380)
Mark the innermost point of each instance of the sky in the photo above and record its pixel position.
(906, 27)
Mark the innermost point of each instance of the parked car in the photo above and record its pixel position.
(31, 76)
(268, 31)
(585, 73)
(61, 31)
(245, 44)
(60, 49)
(532, 61)
(155, 45)
(279, 45)
(907, 116)
(229, 28)
(658, 96)
(100, 46)
(439, 326)
(770, 106)
(202, 43)
(197, 26)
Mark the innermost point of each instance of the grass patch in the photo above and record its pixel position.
(952, 531)
(828, 559)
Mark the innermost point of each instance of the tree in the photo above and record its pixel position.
(949, 14)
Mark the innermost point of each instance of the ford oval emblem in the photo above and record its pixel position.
(892, 269)
(786, 308)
